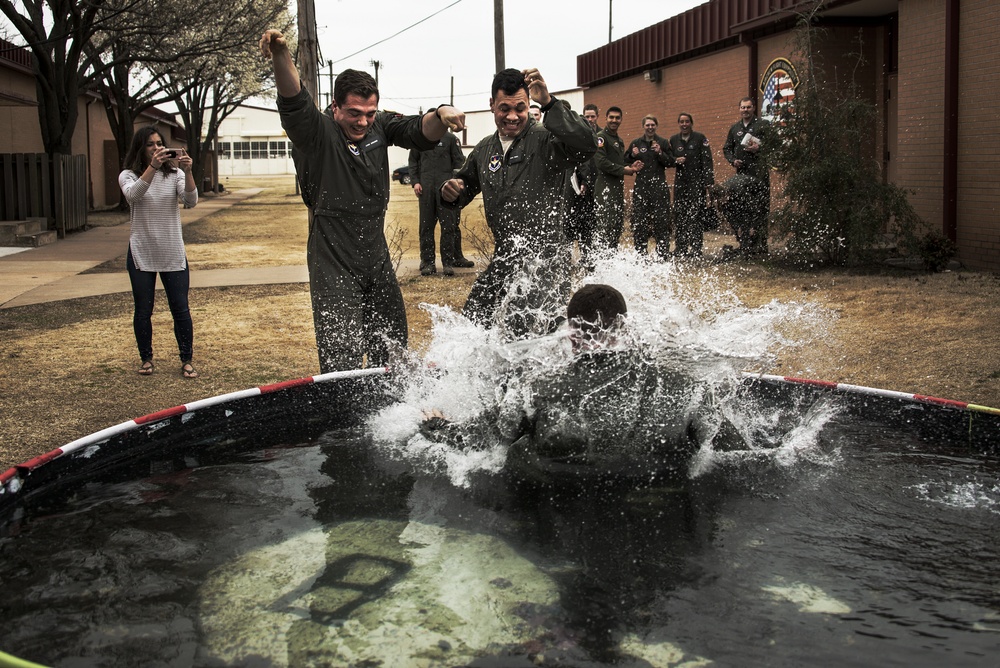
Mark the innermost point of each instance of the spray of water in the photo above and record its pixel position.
(682, 318)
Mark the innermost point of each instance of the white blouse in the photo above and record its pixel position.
(155, 238)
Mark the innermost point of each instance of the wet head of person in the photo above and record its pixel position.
(355, 101)
(509, 102)
(595, 313)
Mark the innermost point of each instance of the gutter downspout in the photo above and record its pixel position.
(90, 165)
(950, 166)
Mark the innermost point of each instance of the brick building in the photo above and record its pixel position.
(20, 131)
(928, 65)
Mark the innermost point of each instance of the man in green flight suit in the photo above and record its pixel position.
(752, 198)
(650, 195)
(342, 164)
(609, 190)
(520, 170)
(428, 170)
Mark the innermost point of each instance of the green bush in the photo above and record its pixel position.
(936, 251)
(836, 206)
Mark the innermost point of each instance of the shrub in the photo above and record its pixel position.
(836, 205)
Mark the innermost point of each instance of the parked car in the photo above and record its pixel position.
(402, 174)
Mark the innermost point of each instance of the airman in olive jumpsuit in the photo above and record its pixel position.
(520, 171)
(342, 163)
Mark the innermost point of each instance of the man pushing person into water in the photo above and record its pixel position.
(520, 171)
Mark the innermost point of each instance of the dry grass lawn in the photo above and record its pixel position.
(67, 369)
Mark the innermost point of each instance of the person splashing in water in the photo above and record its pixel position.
(609, 410)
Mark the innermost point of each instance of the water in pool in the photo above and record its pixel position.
(830, 540)
(879, 551)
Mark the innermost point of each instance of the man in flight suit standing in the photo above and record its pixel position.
(753, 198)
(650, 195)
(521, 172)
(342, 163)
(428, 170)
(580, 218)
(609, 190)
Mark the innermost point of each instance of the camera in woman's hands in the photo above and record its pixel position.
(174, 152)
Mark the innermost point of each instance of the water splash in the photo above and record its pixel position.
(689, 321)
(968, 495)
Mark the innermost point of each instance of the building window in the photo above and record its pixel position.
(225, 150)
(258, 150)
(278, 149)
(241, 150)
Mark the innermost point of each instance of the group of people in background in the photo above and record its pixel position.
(547, 176)
(595, 193)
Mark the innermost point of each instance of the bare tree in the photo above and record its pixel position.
(151, 66)
(62, 36)
(209, 88)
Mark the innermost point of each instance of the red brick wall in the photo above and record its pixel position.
(708, 88)
(978, 153)
(921, 105)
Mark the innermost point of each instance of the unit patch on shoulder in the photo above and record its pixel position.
(353, 148)
(600, 142)
(495, 163)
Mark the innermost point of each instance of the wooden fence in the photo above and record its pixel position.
(37, 186)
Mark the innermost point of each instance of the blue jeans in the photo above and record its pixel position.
(176, 284)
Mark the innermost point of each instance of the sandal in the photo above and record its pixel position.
(147, 368)
(188, 371)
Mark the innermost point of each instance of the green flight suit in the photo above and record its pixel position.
(430, 169)
(754, 200)
(609, 190)
(357, 305)
(525, 286)
(650, 194)
(690, 182)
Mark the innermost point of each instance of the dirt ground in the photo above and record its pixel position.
(67, 369)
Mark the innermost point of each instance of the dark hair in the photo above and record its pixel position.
(650, 117)
(135, 158)
(684, 113)
(509, 81)
(748, 99)
(534, 106)
(354, 82)
(596, 307)
(591, 105)
(611, 109)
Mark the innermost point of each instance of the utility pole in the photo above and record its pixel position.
(329, 65)
(610, 18)
(308, 48)
(375, 64)
(498, 34)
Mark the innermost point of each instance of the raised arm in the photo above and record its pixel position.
(286, 76)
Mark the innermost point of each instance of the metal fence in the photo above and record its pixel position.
(36, 185)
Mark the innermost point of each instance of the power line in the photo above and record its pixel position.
(398, 33)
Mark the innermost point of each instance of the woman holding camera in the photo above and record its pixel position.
(155, 178)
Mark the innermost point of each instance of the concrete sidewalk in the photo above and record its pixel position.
(53, 272)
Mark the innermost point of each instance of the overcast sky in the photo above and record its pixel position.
(454, 38)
